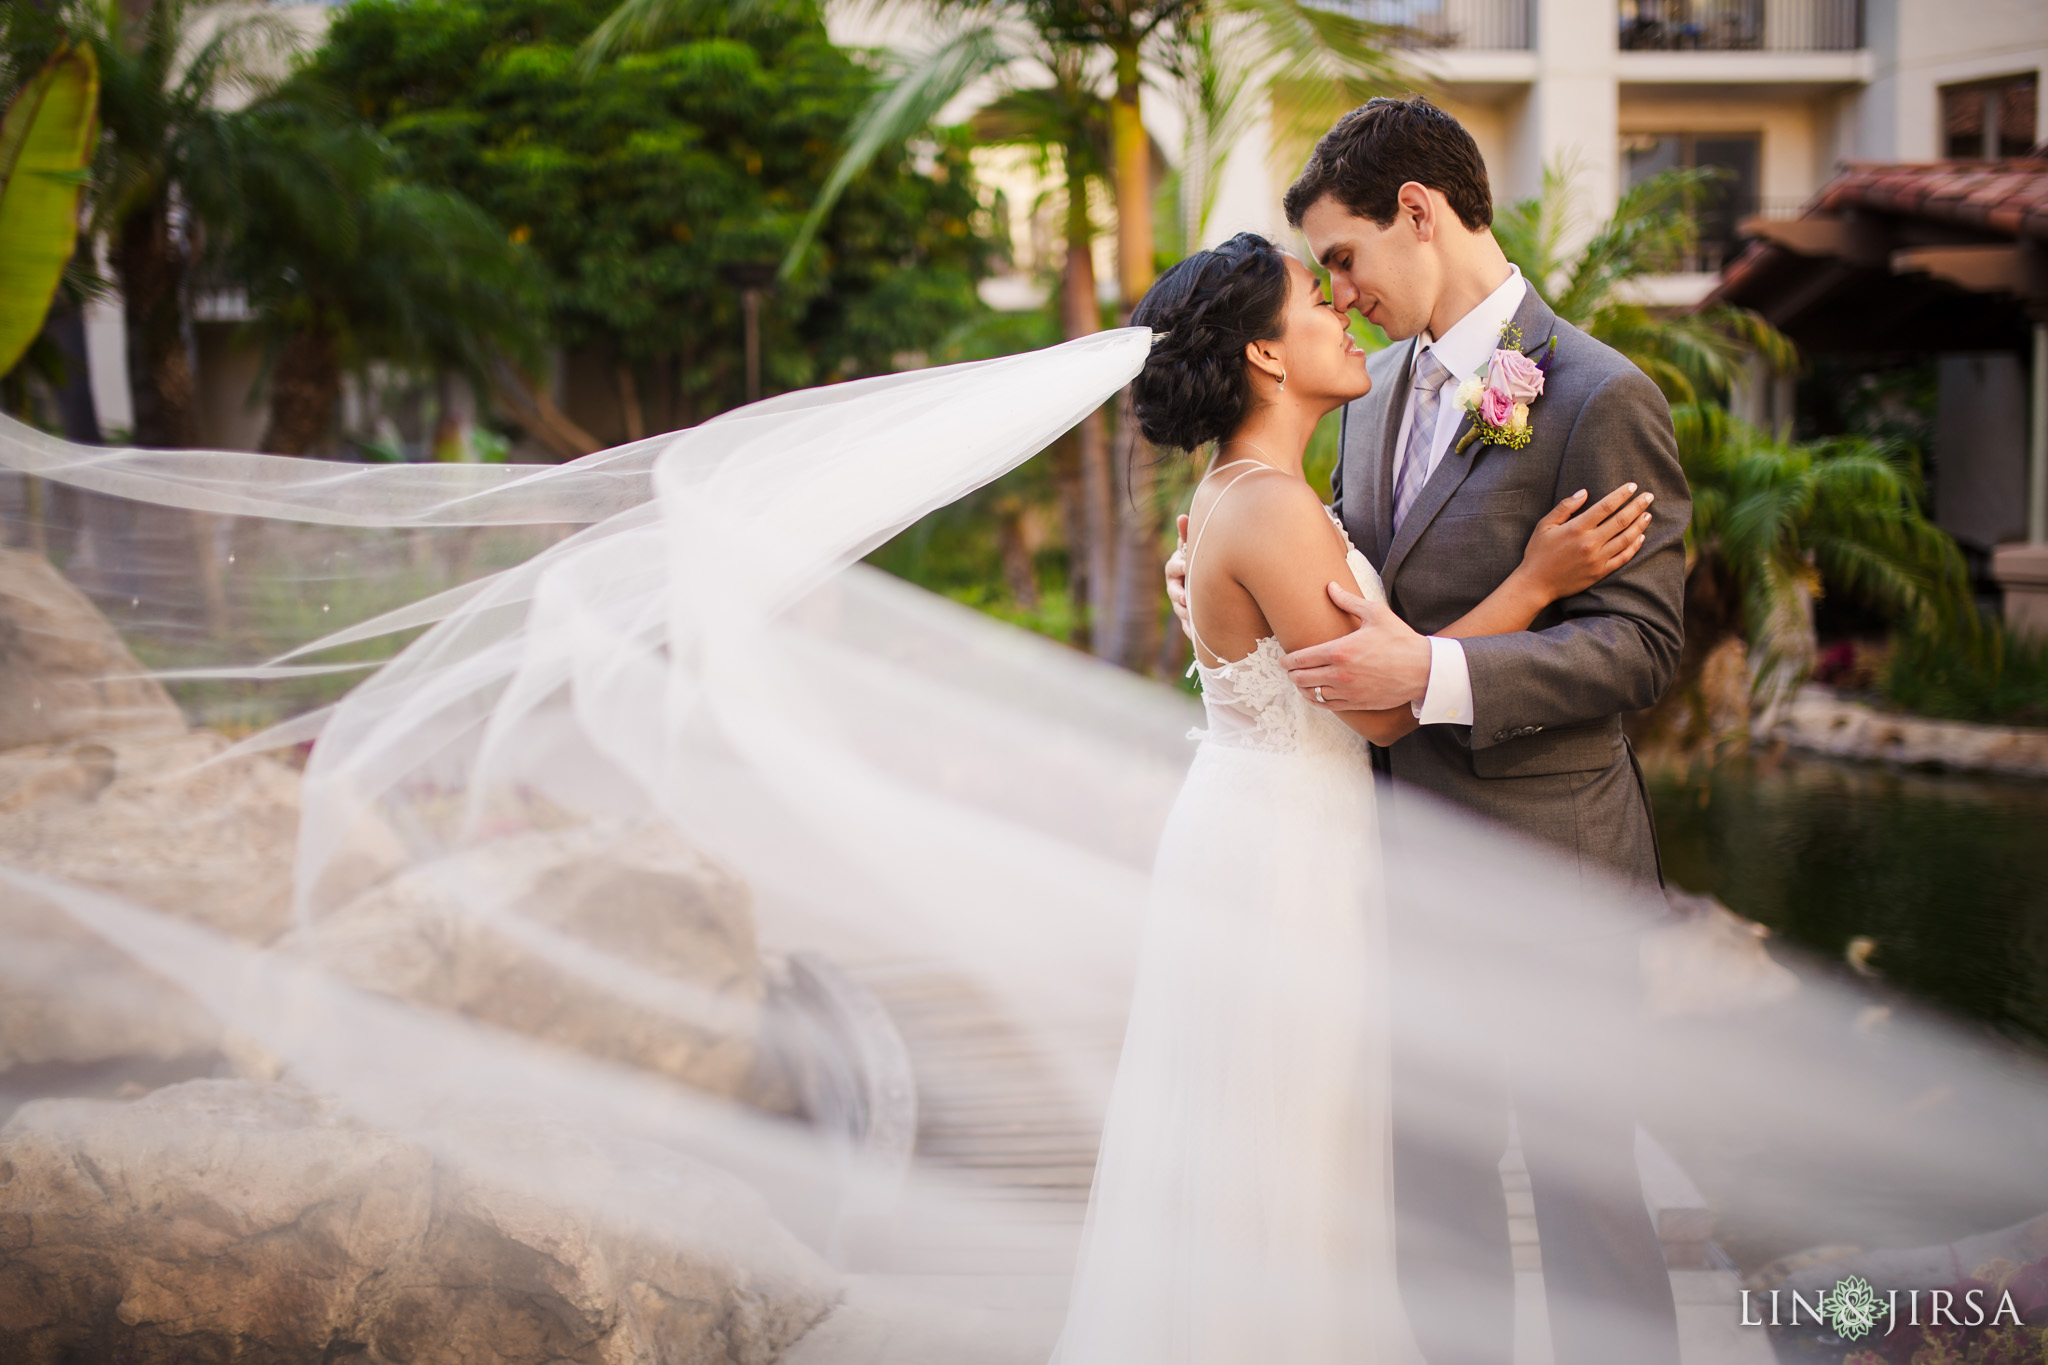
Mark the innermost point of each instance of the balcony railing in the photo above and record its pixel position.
(1480, 25)
(1741, 25)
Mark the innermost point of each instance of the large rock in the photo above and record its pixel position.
(624, 943)
(146, 818)
(1819, 721)
(237, 1220)
(70, 1000)
(64, 673)
(153, 820)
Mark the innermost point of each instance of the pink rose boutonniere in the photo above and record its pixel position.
(1499, 400)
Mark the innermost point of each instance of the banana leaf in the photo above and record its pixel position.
(46, 145)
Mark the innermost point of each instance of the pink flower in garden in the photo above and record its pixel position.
(1515, 374)
(1496, 407)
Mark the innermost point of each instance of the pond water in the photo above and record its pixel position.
(1947, 875)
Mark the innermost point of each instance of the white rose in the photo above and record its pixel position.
(1520, 420)
(1467, 396)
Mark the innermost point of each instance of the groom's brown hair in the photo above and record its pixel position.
(1371, 152)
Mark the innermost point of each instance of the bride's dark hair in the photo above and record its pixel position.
(1196, 386)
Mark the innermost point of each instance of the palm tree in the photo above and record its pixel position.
(1774, 525)
(345, 262)
(1693, 356)
(168, 168)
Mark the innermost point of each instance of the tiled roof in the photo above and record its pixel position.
(1998, 196)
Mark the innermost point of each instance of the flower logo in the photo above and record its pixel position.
(1852, 1307)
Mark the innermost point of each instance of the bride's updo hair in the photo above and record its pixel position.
(1196, 386)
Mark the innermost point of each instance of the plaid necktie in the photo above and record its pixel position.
(1414, 472)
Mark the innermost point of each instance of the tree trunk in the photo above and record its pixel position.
(151, 265)
(1133, 152)
(533, 409)
(455, 424)
(305, 389)
(1091, 536)
(629, 403)
(1014, 540)
(1139, 594)
(65, 327)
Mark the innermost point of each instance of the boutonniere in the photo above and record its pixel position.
(1498, 400)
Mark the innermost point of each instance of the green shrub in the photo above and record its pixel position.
(2000, 678)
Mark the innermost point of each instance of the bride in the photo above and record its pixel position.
(1241, 1208)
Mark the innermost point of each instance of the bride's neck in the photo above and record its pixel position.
(1276, 434)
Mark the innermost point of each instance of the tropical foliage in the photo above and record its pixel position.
(47, 138)
(636, 183)
(1776, 523)
(1968, 670)
(168, 166)
(346, 261)
(1587, 278)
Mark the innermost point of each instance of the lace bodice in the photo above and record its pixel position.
(1249, 702)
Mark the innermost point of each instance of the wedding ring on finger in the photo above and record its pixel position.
(1319, 696)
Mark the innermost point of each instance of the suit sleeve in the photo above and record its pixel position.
(1617, 647)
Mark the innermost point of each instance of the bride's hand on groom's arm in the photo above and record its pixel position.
(1177, 578)
(1568, 554)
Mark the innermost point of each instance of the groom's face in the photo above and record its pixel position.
(1385, 274)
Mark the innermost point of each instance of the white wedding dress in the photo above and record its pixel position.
(1241, 1210)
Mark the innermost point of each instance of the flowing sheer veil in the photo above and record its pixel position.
(663, 666)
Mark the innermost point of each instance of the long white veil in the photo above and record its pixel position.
(692, 906)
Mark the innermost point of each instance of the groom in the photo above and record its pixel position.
(1522, 729)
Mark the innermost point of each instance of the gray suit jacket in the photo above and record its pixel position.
(1544, 753)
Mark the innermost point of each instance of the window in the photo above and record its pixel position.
(1988, 120)
(1730, 198)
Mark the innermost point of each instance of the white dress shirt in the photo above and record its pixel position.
(1463, 350)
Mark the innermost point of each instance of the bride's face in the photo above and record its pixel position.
(1323, 364)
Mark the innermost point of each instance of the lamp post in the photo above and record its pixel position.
(752, 279)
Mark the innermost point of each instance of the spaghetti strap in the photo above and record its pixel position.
(1207, 517)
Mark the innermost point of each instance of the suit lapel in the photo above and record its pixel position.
(1534, 320)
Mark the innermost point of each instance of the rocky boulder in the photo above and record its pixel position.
(150, 819)
(64, 673)
(156, 820)
(239, 1220)
(621, 942)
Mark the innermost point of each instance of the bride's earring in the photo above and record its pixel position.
(1283, 380)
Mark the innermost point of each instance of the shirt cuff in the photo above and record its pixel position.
(1448, 699)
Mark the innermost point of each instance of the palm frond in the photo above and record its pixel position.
(925, 84)
(1324, 55)
(1214, 77)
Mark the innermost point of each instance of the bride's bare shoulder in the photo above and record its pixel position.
(1267, 509)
